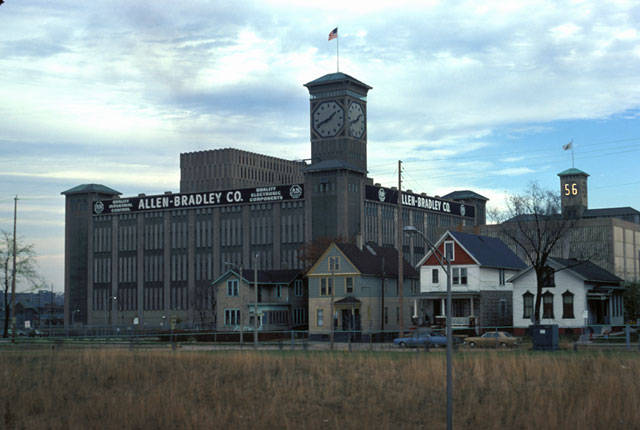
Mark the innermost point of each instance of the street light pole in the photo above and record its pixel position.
(333, 274)
(444, 262)
(255, 308)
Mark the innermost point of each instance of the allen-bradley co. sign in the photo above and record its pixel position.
(194, 200)
(387, 195)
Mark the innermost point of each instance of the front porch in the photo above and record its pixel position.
(432, 311)
(271, 316)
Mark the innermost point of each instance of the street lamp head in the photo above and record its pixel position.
(409, 229)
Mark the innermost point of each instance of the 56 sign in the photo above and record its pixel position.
(570, 189)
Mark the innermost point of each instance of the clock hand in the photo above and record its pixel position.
(357, 119)
(327, 120)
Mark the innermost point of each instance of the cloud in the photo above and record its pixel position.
(113, 91)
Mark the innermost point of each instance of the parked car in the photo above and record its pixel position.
(420, 338)
(492, 339)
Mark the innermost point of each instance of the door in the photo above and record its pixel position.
(346, 320)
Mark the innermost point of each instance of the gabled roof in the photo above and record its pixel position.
(369, 260)
(488, 251)
(464, 195)
(589, 271)
(585, 270)
(90, 188)
(264, 276)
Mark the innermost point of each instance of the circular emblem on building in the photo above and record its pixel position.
(462, 210)
(382, 194)
(98, 207)
(295, 191)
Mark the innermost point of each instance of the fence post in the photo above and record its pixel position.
(293, 343)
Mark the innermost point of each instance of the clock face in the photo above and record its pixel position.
(355, 117)
(328, 119)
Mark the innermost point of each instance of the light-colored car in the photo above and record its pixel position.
(493, 339)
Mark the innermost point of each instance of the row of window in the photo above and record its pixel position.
(127, 269)
(232, 317)
(127, 237)
(102, 238)
(179, 233)
(425, 221)
(261, 230)
(292, 228)
(102, 270)
(154, 236)
(326, 285)
(547, 305)
(459, 276)
(233, 288)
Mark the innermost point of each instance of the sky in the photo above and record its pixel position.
(469, 95)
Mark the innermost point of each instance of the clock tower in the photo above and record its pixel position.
(573, 193)
(336, 176)
(338, 125)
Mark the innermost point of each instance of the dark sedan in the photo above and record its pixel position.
(420, 339)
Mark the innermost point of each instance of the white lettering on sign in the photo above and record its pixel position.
(170, 201)
(234, 197)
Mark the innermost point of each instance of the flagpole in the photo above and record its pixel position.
(338, 52)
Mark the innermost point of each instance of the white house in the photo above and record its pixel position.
(578, 294)
(480, 267)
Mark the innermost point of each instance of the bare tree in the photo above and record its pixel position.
(311, 251)
(25, 270)
(533, 223)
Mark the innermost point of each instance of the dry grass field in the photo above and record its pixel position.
(119, 389)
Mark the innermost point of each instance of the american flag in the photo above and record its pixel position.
(333, 34)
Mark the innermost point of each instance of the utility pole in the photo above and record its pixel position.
(13, 277)
(399, 237)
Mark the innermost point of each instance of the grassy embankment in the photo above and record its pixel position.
(153, 389)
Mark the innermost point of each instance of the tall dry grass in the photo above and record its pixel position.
(175, 390)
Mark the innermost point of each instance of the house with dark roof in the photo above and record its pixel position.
(359, 287)
(280, 300)
(608, 237)
(577, 295)
(480, 268)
